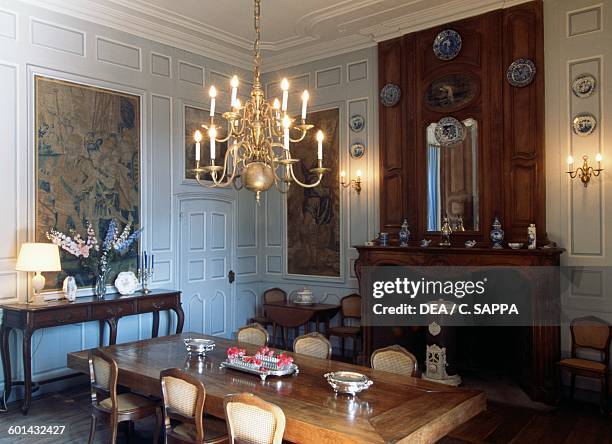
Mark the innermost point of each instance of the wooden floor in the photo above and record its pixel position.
(570, 423)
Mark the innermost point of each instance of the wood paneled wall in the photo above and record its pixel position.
(510, 119)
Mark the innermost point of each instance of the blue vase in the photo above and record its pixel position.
(497, 234)
(404, 234)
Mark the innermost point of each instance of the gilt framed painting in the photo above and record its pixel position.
(87, 152)
(313, 214)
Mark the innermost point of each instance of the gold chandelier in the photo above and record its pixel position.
(258, 135)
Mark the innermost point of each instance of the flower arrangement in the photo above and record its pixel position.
(95, 256)
(265, 359)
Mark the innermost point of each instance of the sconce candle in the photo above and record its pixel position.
(198, 138)
(212, 92)
(585, 172)
(354, 184)
(320, 145)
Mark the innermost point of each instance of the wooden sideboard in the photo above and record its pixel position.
(540, 345)
(32, 317)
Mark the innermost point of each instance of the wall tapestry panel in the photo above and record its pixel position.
(313, 214)
(194, 118)
(87, 143)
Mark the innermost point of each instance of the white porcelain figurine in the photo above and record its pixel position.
(70, 288)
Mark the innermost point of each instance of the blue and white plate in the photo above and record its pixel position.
(447, 44)
(449, 131)
(583, 85)
(357, 122)
(357, 150)
(521, 73)
(390, 94)
(584, 124)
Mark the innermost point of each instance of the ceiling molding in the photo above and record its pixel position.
(303, 44)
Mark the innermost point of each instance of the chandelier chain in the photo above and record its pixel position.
(256, 43)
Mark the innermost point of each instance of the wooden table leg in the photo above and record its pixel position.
(112, 335)
(27, 371)
(102, 332)
(155, 327)
(6, 365)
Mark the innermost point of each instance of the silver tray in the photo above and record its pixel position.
(199, 346)
(291, 369)
(348, 382)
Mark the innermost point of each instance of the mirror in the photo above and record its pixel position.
(452, 175)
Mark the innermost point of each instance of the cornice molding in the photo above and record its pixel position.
(170, 28)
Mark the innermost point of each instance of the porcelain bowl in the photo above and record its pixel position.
(515, 245)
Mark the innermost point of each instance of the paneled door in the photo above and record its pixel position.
(206, 261)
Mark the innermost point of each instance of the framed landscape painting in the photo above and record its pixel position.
(313, 214)
(87, 150)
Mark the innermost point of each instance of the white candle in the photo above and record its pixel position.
(570, 161)
(198, 138)
(234, 84)
(305, 97)
(320, 145)
(359, 174)
(212, 133)
(286, 126)
(212, 93)
(285, 88)
(598, 159)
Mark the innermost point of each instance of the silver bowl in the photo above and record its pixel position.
(348, 382)
(199, 346)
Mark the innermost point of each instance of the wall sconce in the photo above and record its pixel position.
(584, 172)
(355, 183)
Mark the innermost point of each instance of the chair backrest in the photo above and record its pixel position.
(252, 420)
(313, 344)
(183, 397)
(253, 334)
(274, 295)
(350, 306)
(592, 333)
(103, 374)
(394, 359)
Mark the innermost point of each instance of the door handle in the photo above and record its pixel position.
(231, 276)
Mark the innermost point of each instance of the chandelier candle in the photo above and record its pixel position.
(198, 138)
(259, 136)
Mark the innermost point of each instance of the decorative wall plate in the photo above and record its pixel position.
(584, 124)
(447, 44)
(583, 85)
(390, 94)
(357, 150)
(521, 73)
(449, 131)
(357, 122)
(452, 92)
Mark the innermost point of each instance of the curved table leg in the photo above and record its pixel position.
(112, 335)
(155, 325)
(180, 314)
(6, 365)
(102, 332)
(27, 371)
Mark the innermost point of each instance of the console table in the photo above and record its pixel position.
(31, 317)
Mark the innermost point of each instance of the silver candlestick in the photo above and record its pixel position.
(145, 271)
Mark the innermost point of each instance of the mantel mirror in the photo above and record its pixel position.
(452, 175)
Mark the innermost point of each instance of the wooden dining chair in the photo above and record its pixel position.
(107, 405)
(350, 310)
(184, 421)
(270, 295)
(252, 420)
(253, 334)
(589, 333)
(313, 344)
(394, 359)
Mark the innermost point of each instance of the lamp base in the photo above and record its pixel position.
(38, 283)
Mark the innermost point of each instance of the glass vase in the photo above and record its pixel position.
(100, 285)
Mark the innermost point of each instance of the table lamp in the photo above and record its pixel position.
(38, 257)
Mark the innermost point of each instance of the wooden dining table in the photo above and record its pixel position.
(395, 409)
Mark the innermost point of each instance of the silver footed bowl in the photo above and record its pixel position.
(348, 382)
(199, 346)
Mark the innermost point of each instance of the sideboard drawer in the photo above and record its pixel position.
(155, 304)
(62, 316)
(114, 310)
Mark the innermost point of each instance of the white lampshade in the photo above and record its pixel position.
(38, 257)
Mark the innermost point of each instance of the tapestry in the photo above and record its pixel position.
(313, 214)
(194, 118)
(87, 143)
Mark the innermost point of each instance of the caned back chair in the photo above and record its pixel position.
(350, 310)
(114, 408)
(253, 334)
(251, 420)
(394, 359)
(183, 401)
(590, 333)
(313, 344)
